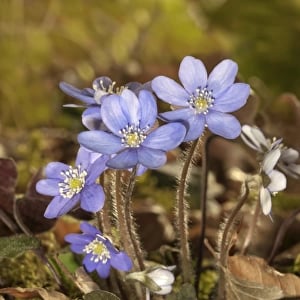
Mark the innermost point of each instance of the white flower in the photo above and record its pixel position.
(273, 181)
(287, 162)
(164, 278)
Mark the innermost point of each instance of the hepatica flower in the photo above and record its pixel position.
(204, 100)
(273, 181)
(164, 279)
(133, 139)
(72, 185)
(99, 252)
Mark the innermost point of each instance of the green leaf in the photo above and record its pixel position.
(16, 245)
(100, 295)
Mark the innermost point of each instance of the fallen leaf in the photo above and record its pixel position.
(29, 293)
(84, 282)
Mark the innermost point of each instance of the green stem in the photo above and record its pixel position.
(182, 215)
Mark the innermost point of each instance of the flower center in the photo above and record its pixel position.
(133, 136)
(98, 249)
(73, 183)
(102, 89)
(201, 100)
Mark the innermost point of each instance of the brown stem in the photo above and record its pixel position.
(182, 215)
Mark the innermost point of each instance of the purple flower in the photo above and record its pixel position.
(99, 252)
(92, 98)
(71, 185)
(204, 100)
(273, 181)
(133, 138)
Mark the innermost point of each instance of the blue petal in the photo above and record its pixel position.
(91, 118)
(233, 99)
(192, 74)
(222, 76)
(170, 91)
(100, 142)
(60, 206)
(88, 263)
(148, 109)
(103, 269)
(54, 169)
(195, 127)
(177, 114)
(113, 115)
(75, 238)
(48, 187)
(124, 160)
(166, 137)
(223, 124)
(83, 158)
(84, 95)
(130, 107)
(121, 261)
(151, 158)
(77, 248)
(140, 170)
(87, 228)
(92, 198)
(96, 168)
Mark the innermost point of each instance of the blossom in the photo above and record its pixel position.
(92, 98)
(70, 185)
(204, 100)
(100, 254)
(287, 162)
(163, 278)
(133, 139)
(273, 181)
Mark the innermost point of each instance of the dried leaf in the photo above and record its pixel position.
(100, 295)
(84, 282)
(250, 277)
(29, 293)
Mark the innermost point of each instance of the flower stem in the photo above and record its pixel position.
(130, 220)
(182, 214)
(251, 229)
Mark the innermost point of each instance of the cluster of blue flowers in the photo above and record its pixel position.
(125, 131)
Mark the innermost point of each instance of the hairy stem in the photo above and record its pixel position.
(251, 229)
(182, 215)
(130, 220)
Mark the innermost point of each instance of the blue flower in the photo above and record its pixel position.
(204, 100)
(133, 138)
(100, 254)
(71, 185)
(92, 98)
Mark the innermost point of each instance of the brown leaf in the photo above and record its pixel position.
(84, 282)
(250, 277)
(29, 293)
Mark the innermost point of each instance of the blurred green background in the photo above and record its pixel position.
(43, 42)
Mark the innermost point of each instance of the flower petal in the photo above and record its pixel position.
(96, 168)
(121, 261)
(148, 109)
(265, 201)
(124, 160)
(180, 114)
(278, 181)
(192, 74)
(151, 158)
(233, 99)
(165, 137)
(100, 141)
(289, 155)
(75, 238)
(84, 95)
(195, 127)
(91, 118)
(223, 124)
(254, 138)
(170, 91)
(83, 158)
(60, 206)
(131, 107)
(88, 263)
(270, 160)
(103, 269)
(87, 228)
(112, 114)
(77, 248)
(48, 187)
(222, 76)
(54, 169)
(92, 198)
